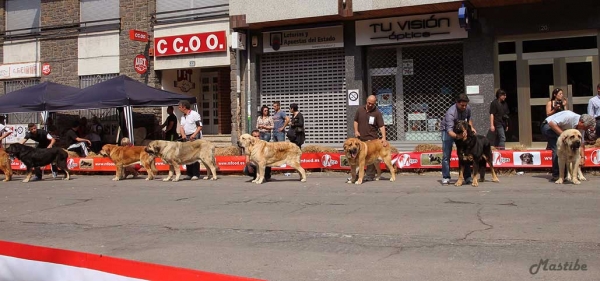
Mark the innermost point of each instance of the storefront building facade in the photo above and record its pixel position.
(416, 59)
(83, 42)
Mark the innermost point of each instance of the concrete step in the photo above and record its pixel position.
(219, 140)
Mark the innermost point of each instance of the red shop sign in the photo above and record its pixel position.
(46, 70)
(137, 35)
(190, 44)
(140, 63)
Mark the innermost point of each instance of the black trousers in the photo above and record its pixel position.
(192, 170)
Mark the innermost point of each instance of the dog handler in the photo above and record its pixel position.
(44, 140)
(368, 121)
(555, 124)
(459, 111)
(191, 128)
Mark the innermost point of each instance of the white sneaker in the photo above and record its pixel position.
(445, 181)
(54, 175)
(194, 178)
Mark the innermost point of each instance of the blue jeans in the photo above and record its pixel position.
(278, 136)
(552, 138)
(500, 140)
(447, 143)
(266, 136)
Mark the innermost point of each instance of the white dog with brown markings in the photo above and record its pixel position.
(567, 150)
(271, 154)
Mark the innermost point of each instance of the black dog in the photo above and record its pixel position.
(433, 158)
(39, 157)
(527, 158)
(473, 149)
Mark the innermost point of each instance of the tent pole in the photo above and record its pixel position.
(45, 119)
(128, 123)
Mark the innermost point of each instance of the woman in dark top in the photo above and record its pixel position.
(296, 134)
(557, 102)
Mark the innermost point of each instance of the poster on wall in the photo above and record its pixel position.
(19, 131)
(385, 103)
(407, 67)
(183, 81)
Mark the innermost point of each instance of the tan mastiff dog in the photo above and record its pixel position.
(271, 154)
(361, 154)
(5, 165)
(567, 150)
(180, 153)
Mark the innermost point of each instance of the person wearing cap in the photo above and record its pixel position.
(555, 124)
(594, 110)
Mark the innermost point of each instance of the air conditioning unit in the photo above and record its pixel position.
(238, 41)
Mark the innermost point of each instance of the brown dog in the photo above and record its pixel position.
(271, 154)
(361, 154)
(126, 155)
(5, 165)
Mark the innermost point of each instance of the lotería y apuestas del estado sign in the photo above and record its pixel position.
(303, 39)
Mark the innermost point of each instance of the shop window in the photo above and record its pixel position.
(505, 48)
(560, 44)
(22, 17)
(431, 77)
(98, 15)
(174, 10)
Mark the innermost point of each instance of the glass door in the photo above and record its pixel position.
(541, 84)
(209, 106)
(580, 82)
(574, 75)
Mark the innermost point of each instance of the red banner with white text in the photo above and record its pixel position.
(338, 161)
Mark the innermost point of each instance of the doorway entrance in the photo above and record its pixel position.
(209, 86)
(530, 69)
(574, 75)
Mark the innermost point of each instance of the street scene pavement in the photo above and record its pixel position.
(323, 229)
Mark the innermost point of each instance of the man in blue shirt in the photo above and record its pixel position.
(459, 111)
(280, 120)
(594, 109)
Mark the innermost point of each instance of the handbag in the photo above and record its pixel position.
(299, 130)
(291, 134)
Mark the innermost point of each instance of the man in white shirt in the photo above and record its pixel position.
(191, 128)
(555, 124)
(594, 109)
(4, 131)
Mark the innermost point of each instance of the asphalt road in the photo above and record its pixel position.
(324, 229)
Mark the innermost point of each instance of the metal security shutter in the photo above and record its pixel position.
(21, 118)
(22, 14)
(316, 81)
(94, 10)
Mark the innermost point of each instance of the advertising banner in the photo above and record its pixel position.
(337, 161)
